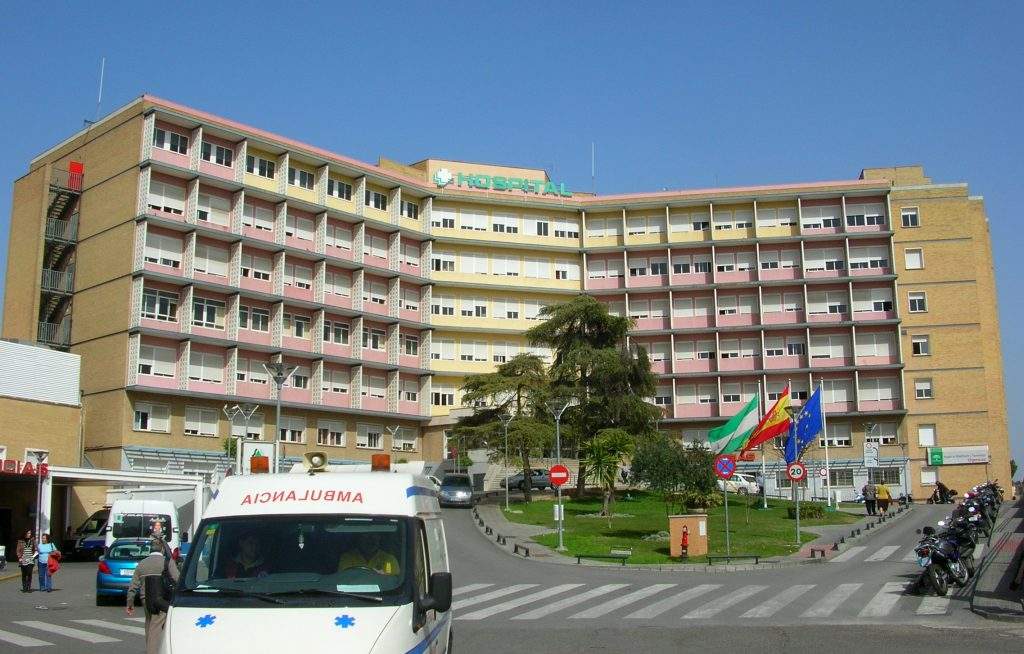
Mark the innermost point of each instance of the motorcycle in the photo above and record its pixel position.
(939, 497)
(940, 556)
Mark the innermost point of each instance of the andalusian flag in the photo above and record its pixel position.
(774, 423)
(733, 435)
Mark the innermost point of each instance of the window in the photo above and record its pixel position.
(875, 344)
(258, 217)
(376, 200)
(409, 210)
(373, 339)
(299, 379)
(208, 313)
(929, 476)
(441, 217)
(838, 435)
(251, 429)
(253, 318)
(920, 345)
(206, 367)
(200, 421)
(404, 440)
(162, 250)
(211, 260)
(374, 386)
(335, 381)
(442, 395)
(888, 476)
(296, 326)
(160, 305)
(369, 436)
(157, 361)
(913, 258)
(172, 141)
(872, 256)
(339, 189)
(330, 432)
(214, 209)
(537, 268)
(836, 391)
(819, 217)
(339, 236)
(442, 306)
(505, 223)
(298, 227)
(253, 372)
(883, 433)
(840, 477)
(926, 435)
(411, 299)
(659, 266)
(828, 302)
(910, 217)
(565, 228)
(442, 262)
(298, 276)
(291, 429)
(299, 177)
(151, 417)
(730, 392)
(859, 215)
(259, 166)
(217, 154)
(336, 332)
(338, 283)
(410, 344)
(872, 299)
(442, 349)
(411, 255)
(879, 389)
(474, 220)
(663, 396)
(537, 225)
(568, 270)
(918, 302)
(473, 351)
(637, 267)
(532, 309)
(375, 292)
(506, 309)
(923, 389)
(473, 263)
(375, 246)
(166, 197)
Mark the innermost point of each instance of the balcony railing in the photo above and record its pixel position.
(66, 180)
(58, 281)
(62, 230)
(55, 334)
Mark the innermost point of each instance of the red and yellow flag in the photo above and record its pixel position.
(774, 423)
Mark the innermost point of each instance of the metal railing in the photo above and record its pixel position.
(62, 230)
(54, 333)
(66, 180)
(58, 280)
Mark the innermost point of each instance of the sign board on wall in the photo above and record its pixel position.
(945, 456)
(26, 468)
(870, 455)
(444, 177)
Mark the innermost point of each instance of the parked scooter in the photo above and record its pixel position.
(941, 557)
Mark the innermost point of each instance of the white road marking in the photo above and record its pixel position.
(469, 589)
(831, 602)
(933, 606)
(780, 601)
(136, 619)
(883, 553)
(21, 641)
(519, 601)
(884, 600)
(494, 594)
(659, 607)
(715, 607)
(619, 602)
(77, 634)
(848, 554)
(569, 601)
(127, 628)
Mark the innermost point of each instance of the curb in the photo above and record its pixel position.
(999, 617)
(859, 533)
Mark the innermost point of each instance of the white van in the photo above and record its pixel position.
(137, 518)
(324, 559)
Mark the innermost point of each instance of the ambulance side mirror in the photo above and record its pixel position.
(440, 597)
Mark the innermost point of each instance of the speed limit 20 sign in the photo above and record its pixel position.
(796, 471)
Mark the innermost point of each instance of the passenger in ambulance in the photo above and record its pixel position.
(369, 554)
(248, 561)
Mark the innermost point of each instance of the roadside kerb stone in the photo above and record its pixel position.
(833, 538)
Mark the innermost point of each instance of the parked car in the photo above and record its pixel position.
(90, 538)
(116, 567)
(539, 479)
(741, 483)
(456, 490)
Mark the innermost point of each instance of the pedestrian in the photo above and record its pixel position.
(759, 478)
(870, 494)
(884, 496)
(47, 551)
(156, 563)
(26, 552)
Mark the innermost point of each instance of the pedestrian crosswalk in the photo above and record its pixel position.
(695, 602)
(60, 634)
(887, 554)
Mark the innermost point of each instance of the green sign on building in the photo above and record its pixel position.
(944, 456)
(444, 177)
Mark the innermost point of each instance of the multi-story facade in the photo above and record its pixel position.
(192, 250)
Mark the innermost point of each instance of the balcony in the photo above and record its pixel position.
(827, 317)
(65, 180)
(157, 381)
(602, 283)
(647, 281)
(694, 365)
(788, 361)
(870, 272)
(736, 319)
(340, 400)
(874, 315)
(694, 279)
(697, 410)
(65, 231)
(881, 405)
(782, 317)
(54, 334)
(739, 363)
(58, 281)
(726, 277)
(774, 274)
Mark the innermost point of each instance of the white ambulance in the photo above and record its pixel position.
(319, 559)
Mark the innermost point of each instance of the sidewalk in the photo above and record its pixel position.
(828, 536)
(992, 596)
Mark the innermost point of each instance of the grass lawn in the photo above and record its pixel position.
(752, 530)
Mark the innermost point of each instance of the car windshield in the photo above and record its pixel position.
(93, 524)
(319, 559)
(132, 550)
(456, 481)
(139, 525)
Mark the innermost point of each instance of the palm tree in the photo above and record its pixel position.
(602, 456)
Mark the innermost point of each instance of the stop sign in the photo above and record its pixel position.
(559, 474)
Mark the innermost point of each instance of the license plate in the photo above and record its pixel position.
(126, 573)
(924, 561)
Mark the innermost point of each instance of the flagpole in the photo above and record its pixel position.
(824, 430)
(764, 468)
(725, 493)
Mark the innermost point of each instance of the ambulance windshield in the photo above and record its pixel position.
(340, 560)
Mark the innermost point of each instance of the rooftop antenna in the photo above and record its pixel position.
(99, 97)
(593, 167)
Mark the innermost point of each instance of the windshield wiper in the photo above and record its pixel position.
(237, 592)
(332, 593)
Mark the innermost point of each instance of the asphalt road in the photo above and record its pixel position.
(506, 604)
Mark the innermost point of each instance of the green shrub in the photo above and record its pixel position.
(807, 512)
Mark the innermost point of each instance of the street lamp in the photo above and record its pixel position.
(246, 410)
(40, 458)
(392, 430)
(280, 372)
(505, 419)
(557, 407)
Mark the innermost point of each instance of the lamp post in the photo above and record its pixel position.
(246, 410)
(557, 408)
(40, 458)
(392, 430)
(505, 419)
(280, 372)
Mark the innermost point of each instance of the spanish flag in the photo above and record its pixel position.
(774, 423)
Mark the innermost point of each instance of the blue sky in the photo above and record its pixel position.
(676, 95)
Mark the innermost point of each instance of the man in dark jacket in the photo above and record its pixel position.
(870, 494)
(154, 564)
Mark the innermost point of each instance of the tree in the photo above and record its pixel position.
(602, 457)
(518, 388)
(1013, 469)
(593, 365)
(659, 463)
(700, 486)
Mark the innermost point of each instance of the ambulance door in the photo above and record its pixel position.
(421, 579)
(437, 551)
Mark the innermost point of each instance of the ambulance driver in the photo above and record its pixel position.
(369, 554)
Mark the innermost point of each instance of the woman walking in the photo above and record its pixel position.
(26, 551)
(884, 498)
(46, 551)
